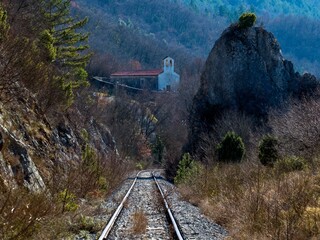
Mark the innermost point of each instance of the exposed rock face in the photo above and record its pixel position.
(6, 174)
(34, 148)
(65, 135)
(101, 134)
(247, 72)
(31, 176)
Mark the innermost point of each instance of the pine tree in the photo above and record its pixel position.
(187, 169)
(65, 45)
(231, 148)
(268, 152)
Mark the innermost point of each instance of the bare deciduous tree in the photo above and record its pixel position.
(241, 124)
(298, 128)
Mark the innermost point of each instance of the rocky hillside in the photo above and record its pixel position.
(34, 147)
(246, 71)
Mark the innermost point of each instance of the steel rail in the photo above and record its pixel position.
(175, 225)
(114, 217)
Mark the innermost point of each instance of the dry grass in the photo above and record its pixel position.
(140, 222)
(22, 213)
(254, 202)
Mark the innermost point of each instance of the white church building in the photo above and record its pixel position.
(165, 79)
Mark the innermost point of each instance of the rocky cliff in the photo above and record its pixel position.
(245, 71)
(33, 147)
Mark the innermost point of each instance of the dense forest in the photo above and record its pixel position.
(272, 8)
(175, 28)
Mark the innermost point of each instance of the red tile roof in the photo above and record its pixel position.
(138, 73)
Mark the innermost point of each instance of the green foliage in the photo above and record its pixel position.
(91, 171)
(88, 153)
(277, 7)
(231, 148)
(290, 164)
(247, 20)
(268, 152)
(4, 26)
(140, 166)
(158, 149)
(47, 42)
(89, 156)
(86, 224)
(81, 74)
(103, 183)
(187, 169)
(68, 201)
(66, 44)
(85, 135)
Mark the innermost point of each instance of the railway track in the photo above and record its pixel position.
(143, 213)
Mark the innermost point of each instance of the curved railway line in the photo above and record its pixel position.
(161, 223)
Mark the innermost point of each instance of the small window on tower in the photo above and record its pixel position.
(170, 62)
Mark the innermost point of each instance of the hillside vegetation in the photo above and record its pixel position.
(278, 7)
(54, 150)
(147, 31)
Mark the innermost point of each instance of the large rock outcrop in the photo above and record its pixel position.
(245, 71)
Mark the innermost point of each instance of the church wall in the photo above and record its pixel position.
(170, 79)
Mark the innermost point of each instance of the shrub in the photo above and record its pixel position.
(158, 149)
(231, 148)
(87, 223)
(290, 164)
(23, 212)
(268, 152)
(103, 183)
(140, 166)
(68, 201)
(247, 20)
(186, 169)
